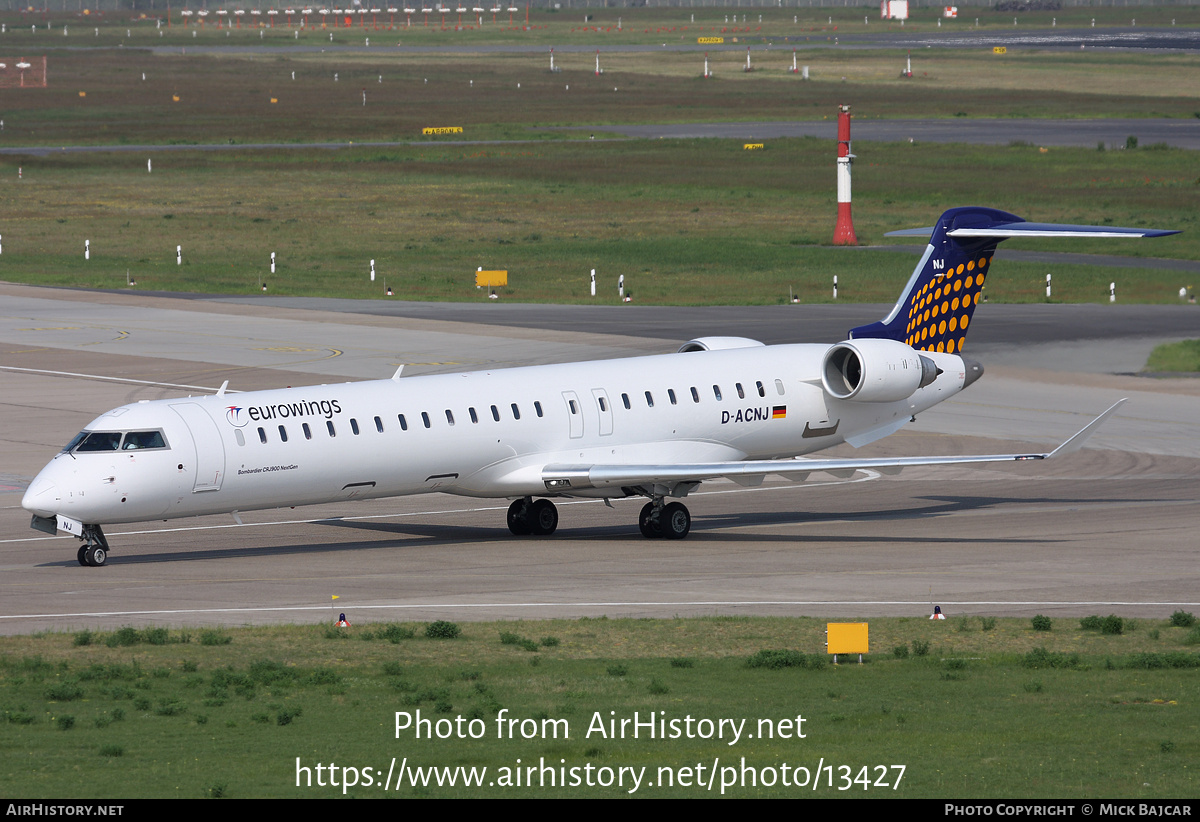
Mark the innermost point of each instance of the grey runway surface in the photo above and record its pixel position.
(1109, 529)
(975, 131)
(981, 131)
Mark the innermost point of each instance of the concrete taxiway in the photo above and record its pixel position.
(1109, 529)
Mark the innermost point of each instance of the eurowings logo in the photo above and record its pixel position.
(233, 414)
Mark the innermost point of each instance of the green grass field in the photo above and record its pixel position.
(1180, 357)
(971, 707)
(685, 222)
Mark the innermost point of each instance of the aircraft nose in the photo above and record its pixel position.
(41, 497)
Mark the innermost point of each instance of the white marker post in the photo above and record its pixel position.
(272, 262)
(87, 249)
(178, 255)
(593, 282)
(1112, 292)
(372, 271)
(835, 286)
(149, 166)
(1047, 286)
(621, 286)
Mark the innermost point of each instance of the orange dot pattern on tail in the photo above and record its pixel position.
(940, 311)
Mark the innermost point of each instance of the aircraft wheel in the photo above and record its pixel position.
(81, 555)
(518, 519)
(543, 518)
(675, 521)
(646, 524)
(96, 556)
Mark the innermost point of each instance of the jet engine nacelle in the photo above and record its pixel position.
(875, 370)
(717, 344)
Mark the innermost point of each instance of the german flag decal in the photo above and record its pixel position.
(779, 412)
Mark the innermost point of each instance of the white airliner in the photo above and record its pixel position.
(655, 427)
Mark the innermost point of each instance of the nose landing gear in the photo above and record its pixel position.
(94, 551)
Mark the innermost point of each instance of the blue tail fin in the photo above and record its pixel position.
(936, 307)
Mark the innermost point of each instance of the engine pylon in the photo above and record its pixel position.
(843, 232)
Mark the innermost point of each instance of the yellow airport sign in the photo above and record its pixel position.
(490, 279)
(846, 637)
(442, 130)
(710, 41)
(999, 50)
(752, 147)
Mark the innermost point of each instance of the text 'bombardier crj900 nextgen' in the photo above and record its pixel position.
(655, 427)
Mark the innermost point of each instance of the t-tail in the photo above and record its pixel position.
(936, 306)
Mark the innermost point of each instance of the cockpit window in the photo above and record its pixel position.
(116, 441)
(100, 441)
(135, 440)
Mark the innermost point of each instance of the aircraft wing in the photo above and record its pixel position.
(567, 478)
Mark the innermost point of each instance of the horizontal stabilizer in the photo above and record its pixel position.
(1006, 230)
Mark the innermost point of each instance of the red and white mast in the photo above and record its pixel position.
(843, 232)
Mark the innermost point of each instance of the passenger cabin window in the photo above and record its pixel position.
(625, 399)
(537, 406)
(761, 391)
(649, 400)
(330, 428)
(671, 396)
(495, 413)
(282, 434)
(354, 426)
(425, 419)
(574, 407)
(695, 394)
(474, 416)
(403, 422)
(379, 425)
(307, 431)
(449, 417)
(262, 435)
(717, 392)
(603, 404)
(779, 387)
(741, 393)
(516, 412)
(237, 433)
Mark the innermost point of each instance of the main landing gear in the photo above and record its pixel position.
(539, 518)
(527, 516)
(670, 521)
(94, 551)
